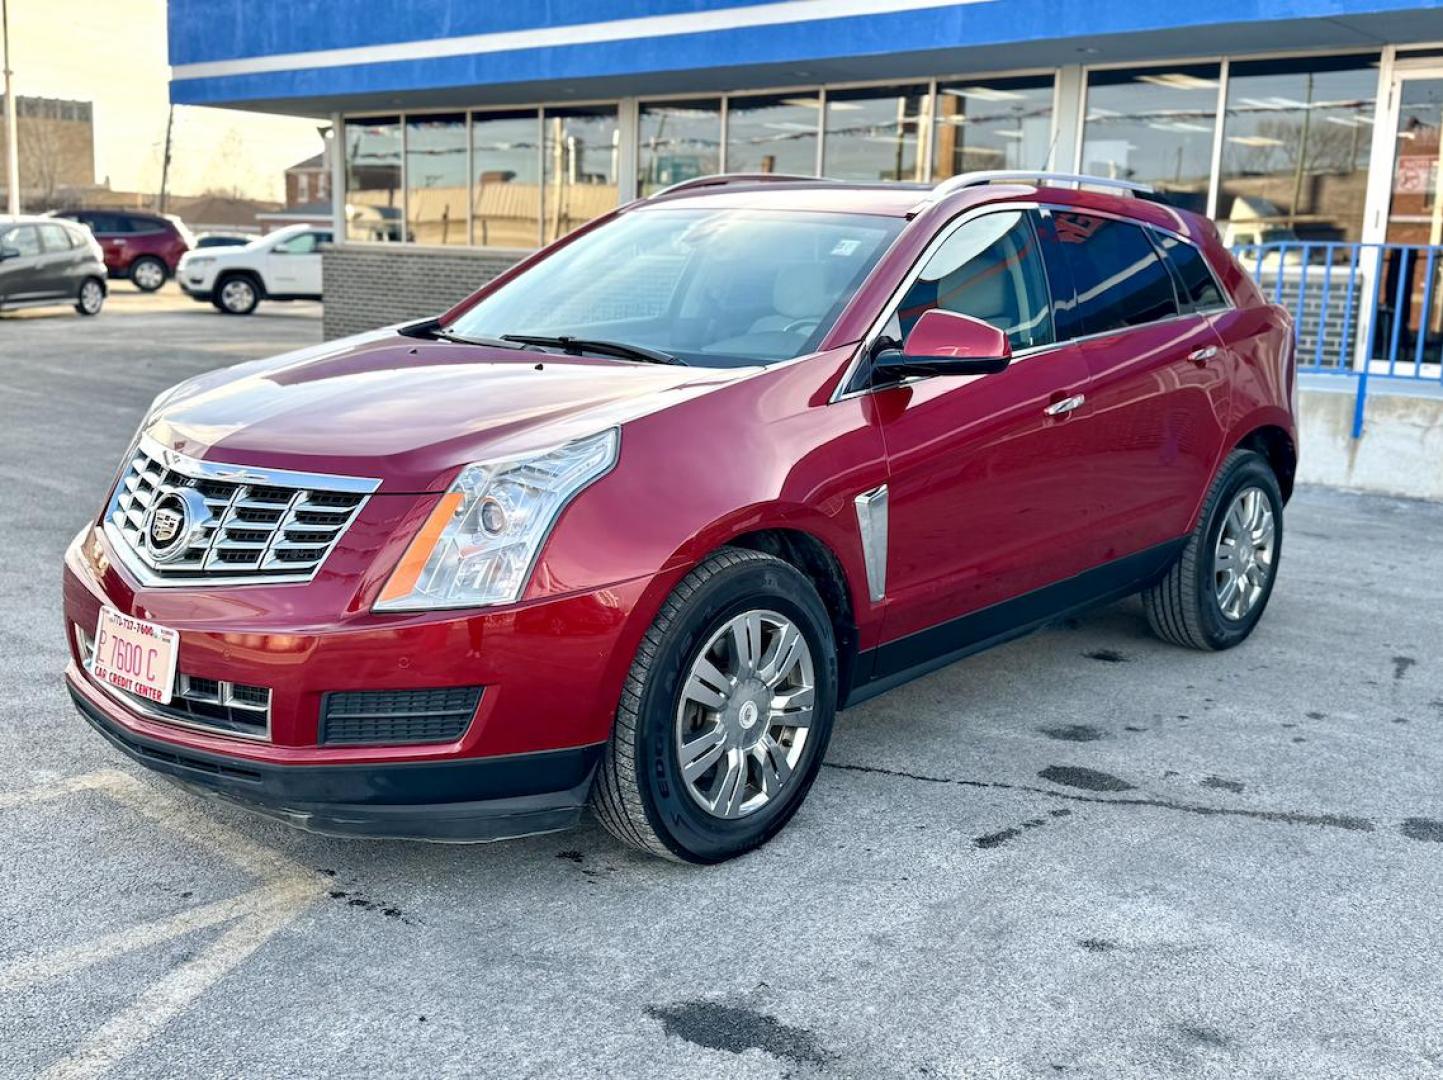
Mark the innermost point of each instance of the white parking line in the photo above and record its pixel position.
(172, 994)
(285, 889)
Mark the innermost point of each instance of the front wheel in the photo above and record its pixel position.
(147, 273)
(237, 296)
(1216, 592)
(725, 715)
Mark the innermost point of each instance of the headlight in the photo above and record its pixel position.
(478, 545)
(190, 262)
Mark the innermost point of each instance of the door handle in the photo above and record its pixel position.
(1066, 405)
(1203, 355)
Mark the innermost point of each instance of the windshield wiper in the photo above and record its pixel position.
(577, 346)
(444, 334)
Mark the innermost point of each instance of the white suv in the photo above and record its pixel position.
(285, 265)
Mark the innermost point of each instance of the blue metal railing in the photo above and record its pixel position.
(1359, 310)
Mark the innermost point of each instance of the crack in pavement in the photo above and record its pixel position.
(1283, 817)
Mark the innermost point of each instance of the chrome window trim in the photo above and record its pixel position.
(841, 393)
(198, 469)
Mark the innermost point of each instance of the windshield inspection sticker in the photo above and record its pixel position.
(846, 247)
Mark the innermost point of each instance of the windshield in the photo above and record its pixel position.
(717, 288)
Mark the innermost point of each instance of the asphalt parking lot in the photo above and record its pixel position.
(1085, 854)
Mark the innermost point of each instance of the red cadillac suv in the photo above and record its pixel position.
(629, 525)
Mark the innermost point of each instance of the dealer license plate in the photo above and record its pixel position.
(136, 656)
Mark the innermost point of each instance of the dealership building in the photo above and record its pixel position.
(467, 134)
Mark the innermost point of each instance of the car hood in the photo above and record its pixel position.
(410, 412)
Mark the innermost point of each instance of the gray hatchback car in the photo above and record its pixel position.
(45, 260)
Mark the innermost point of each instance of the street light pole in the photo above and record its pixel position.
(12, 135)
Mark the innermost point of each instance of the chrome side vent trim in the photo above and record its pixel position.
(872, 522)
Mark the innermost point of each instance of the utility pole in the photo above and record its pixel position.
(165, 161)
(12, 135)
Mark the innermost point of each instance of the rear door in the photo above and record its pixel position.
(22, 270)
(1158, 392)
(60, 262)
(113, 232)
(984, 500)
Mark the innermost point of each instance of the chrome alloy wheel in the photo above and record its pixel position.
(148, 275)
(745, 710)
(238, 295)
(91, 296)
(1243, 561)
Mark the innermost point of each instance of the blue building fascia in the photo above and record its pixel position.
(344, 55)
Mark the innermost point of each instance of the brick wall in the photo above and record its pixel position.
(371, 285)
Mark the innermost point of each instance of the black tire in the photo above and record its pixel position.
(237, 294)
(148, 273)
(90, 297)
(1183, 608)
(639, 794)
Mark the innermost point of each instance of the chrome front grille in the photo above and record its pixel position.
(239, 523)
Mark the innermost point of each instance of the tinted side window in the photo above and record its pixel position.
(56, 238)
(991, 269)
(1119, 278)
(109, 223)
(23, 239)
(1197, 288)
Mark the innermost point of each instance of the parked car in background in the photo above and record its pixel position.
(44, 261)
(141, 247)
(284, 265)
(222, 239)
(631, 523)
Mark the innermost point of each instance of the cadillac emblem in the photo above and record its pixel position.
(171, 522)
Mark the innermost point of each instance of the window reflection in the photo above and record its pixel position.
(992, 124)
(373, 178)
(1296, 139)
(506, 179)
(436, 179)
(581, 150)
(1155, 127)
(678, 140)
(773, 134)
(873, 134)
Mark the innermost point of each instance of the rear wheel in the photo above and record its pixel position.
(1216, 592)
(91, 297)
(237, 295)
(726, 712)
(147, 273)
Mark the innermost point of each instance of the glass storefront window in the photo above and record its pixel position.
(373, 178)
(873, 133)
(1154, 126)
(436, 179)
(1296, 141)
(678, 140)
(992, 124)
(506, 179)
(773, 134)
(581, 155)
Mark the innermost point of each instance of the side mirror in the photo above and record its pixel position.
(9, 253)
(946, 343)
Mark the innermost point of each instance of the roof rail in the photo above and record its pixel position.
(723, 179)
(1037, 176)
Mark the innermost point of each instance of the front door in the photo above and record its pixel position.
(295, 266)
(987, 495)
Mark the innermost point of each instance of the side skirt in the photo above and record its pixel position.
(897, 662)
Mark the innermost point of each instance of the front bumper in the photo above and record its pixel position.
(458, 801)
(199, 288)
